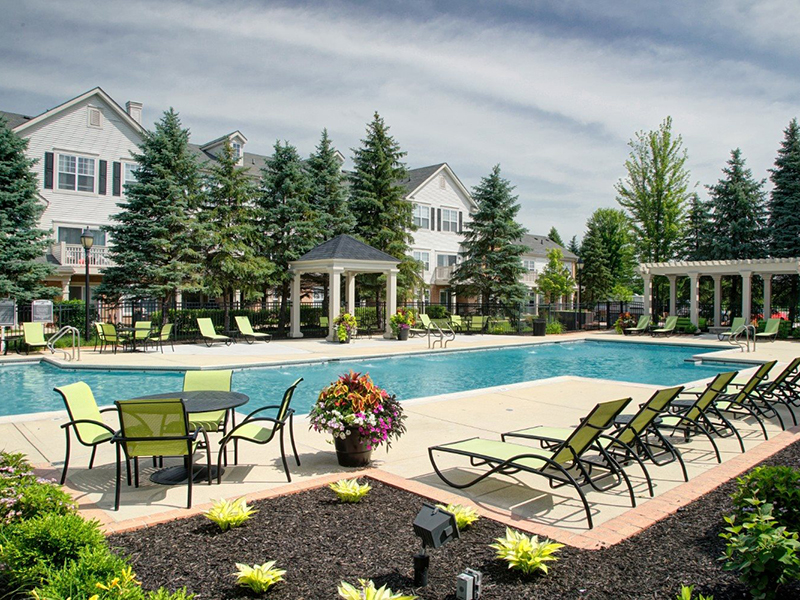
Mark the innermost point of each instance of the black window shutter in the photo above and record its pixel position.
(433, 218)
(438, 219)
(101, 180)
(48, 170)
(460, 221)
(115, 185)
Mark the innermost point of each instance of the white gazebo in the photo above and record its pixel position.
(716, 269)
(343, 255)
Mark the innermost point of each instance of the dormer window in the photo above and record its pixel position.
(237, 150)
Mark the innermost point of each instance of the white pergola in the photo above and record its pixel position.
(343, 255)
(717, 269)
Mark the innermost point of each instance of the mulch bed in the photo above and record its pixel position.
(321, 542)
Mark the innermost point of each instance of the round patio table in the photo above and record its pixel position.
(195, 402)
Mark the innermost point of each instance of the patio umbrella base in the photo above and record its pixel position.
(178, 474)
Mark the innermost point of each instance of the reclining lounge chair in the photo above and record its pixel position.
(641, 326)
(668, 329)
(208, 333)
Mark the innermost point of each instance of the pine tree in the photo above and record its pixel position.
(384, 219)
(231, 234)
(698, 226)
(555, 236)
(574, 246)
(289, 223)
(555, 280)
(608, 254)
(22, 244)
(155, 247)
(492, 254)
(595, 277)
(329, 190)
(738, 221)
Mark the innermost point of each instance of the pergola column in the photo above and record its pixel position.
(535, 303)
(693, 288)
(350, 279)
(767, 277)
(717, 300)
(747, 290)
(335, 302)
(647, 294)
(295, 316)
(391, 300)
(673, 294)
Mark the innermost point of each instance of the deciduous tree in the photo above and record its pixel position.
(555, 280)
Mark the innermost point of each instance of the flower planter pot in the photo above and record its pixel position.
(402, 334)
(345, 340)
(352, 451)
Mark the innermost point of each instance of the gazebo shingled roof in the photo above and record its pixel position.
(348, 248)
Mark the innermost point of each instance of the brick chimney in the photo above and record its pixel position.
(134, 109)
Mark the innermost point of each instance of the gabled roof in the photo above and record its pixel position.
(221, 138)
(543, 244)
(345, 247)
(78, 99)
(14, 120)
(418, 178)
(252, 162)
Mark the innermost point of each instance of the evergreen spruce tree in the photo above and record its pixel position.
(491, 263)
(156, 249)
(698, 226)
(329, 190)
(555, 280)
(289, 223)
(383, 218)
(608, 254)
(555, 236)
(22, 244)
(229, 219)
(596, 279)
(784, 206)
(574, 246)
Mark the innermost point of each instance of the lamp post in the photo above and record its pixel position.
(579, 267)
(87, 240)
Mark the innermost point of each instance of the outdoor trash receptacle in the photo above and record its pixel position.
(539, 327)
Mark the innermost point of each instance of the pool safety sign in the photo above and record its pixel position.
(8, 313)
(42, 311)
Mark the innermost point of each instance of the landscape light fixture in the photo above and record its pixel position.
(468, 585)
(87, 241)
(435, 527)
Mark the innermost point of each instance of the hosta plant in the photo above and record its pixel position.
(228, 514)
(687, 593)
(465, 516)
(349, 490)
(526, 553)
(368, 591)
(259, 578)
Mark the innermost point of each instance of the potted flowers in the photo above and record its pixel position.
(401, 322)
(360, 416)
(346, 327)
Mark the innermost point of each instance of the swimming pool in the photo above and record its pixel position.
(29, 388)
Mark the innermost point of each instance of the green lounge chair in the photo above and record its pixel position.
(246, 330)
(737, 325)
(641, 326)
(456, 323)
(33, 336)
(747, 400)
(208, 333)
(771, 330)
(693, 415)
(426, 326)
(252, 430)
(84, 420)
(165, 335)
(668, 329)
(629, 443)
(479, 324)
(781, 390)
(562, 465)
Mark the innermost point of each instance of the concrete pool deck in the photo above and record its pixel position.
(524, 501)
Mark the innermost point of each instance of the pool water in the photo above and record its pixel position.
(29, 388)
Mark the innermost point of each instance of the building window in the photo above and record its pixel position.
(129, 175)
(529, 265)
(75, 173)
(72, 235)
(446, 260)
(422, 216)
(424, 258)
(237, 149)
(449, 220)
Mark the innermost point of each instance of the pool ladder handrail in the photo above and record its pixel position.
(440, 335)
(75, 347)
(734, 340)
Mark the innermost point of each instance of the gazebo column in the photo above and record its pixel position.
(693, 289)
(351, 292)
(717, 300)
(391, 300)
(747, 281)
(647, 294)
(335, 302)
(295, 317)
(767, 277)
(535, 302)
(673, 294)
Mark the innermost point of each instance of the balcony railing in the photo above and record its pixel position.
(73, 255)
(442, 276)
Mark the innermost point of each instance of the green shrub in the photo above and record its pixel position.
(687, 593)
(465, 515)
(778, 486)
(525, 553)
(229, 514)
(763, 552)
(349, 490)
(79, 578)
(554, 328)
(23, 495)
(259, 578)
(368, 591)
(437, 311)
(162, 594)
(702, 324)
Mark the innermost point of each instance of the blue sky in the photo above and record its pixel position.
(553, 91)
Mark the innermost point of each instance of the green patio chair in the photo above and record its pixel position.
(562, 465)
(33, 336)
(165, 335)
(479, 324)
(246, 330)
(668, 329)
(633, 441)
(218, 381)
(208, 333)
(641, 326)
(142, 332)
(423, 328)
(85, 420)
(456, 323)
(252, 430)
(771, 330)
(783, 390)
(693, 416)
(156, 428)
(737, 325)
(747, 402)
(98, 335)
(110, 337)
